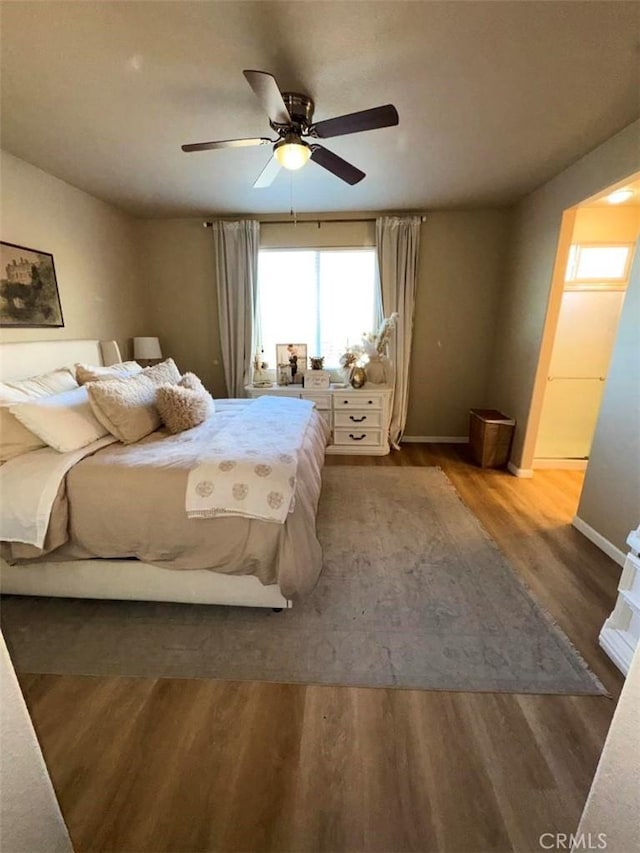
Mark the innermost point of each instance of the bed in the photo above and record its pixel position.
(230, 560)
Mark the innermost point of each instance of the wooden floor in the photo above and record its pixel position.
(194, 765)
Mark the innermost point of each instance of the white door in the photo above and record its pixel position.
(586, 332)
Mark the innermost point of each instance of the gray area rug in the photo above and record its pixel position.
(413, 594)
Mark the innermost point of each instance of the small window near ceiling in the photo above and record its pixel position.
(325, 298)
(598, 264)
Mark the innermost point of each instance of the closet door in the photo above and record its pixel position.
(587, 328)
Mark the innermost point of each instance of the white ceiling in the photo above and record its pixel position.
(494, 97)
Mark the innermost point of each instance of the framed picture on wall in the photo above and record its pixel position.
(295, 357)
(29, 295)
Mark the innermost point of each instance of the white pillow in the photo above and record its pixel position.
(42, 385)
(96, 373)
(16, 439)
(63, 421)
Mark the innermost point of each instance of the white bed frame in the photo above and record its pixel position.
(115, 579)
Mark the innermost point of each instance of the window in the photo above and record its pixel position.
(326, 298)
(598, 264)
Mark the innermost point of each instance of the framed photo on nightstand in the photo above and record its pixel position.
(294, 355)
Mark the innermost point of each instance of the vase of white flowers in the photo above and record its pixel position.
(349, 360)
(375, 347)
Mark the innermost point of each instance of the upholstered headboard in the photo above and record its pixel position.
(29, 358)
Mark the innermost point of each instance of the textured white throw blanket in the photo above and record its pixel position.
(251, 468)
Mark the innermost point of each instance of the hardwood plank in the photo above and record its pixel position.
(194, 765)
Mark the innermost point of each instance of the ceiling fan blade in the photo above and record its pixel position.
(266, 90)
(339, 167)
(385, 116)
(226, 143)
(267, 175)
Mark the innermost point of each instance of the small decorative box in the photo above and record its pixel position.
(317, 379)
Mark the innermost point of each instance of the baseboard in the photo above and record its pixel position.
(560, 464)
(526, 473)
(598, 539)
(434, 439)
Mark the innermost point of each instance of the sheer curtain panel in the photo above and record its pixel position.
(236, 247)
(398, 244)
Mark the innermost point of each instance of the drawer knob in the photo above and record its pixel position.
(370, 402)
(357, 437)
(357, 420)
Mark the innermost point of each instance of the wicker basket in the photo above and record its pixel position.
(490, 437)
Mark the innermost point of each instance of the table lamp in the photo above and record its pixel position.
(147, 351)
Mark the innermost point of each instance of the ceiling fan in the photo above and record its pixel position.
(291, 117)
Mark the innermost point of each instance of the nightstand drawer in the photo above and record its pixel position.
(322, 401)
(357, 437)
(356, 401)
(358, 419)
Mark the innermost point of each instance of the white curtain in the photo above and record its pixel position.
(398, 244)
(236, 247)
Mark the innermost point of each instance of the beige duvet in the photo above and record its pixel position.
(129, 502)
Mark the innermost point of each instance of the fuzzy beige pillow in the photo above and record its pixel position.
(194, 383)
(127, 407)
(182, 408)
(190, 380)
(165, 373)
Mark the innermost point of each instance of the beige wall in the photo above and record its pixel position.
(461, 274)
(178, 269)
(610, 500)
(94, 251)
(461, 269)
(533, 252)
(318, 234)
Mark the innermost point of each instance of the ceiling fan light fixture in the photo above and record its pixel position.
(292, 153)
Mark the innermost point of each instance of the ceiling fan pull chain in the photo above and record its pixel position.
(292, 211)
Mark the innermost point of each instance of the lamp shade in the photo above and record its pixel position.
(146, 348)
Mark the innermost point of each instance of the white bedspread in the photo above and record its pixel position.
(28, 488)
(251, 468)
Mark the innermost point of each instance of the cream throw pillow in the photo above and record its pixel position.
(63, 421)
(165, 373)
(95, 373)
(127, 407)
(181, 407)
(190, 380)
(15, 438)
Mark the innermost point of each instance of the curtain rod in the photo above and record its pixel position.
(209, 224)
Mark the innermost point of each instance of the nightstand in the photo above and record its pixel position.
(357, 417)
